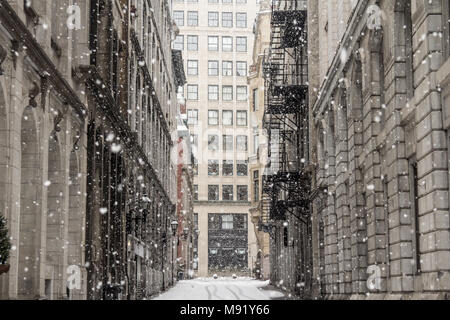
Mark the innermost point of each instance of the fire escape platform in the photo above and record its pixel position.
(292, 23)
(286, 17)
(293, 99)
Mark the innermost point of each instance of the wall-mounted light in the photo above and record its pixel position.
(174, 226)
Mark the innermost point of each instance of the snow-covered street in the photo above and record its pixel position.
(220, 289)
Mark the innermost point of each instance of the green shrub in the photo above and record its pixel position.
(5, 244)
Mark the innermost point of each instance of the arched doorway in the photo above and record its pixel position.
(30, 208)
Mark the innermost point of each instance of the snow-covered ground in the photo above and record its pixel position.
(220, 289)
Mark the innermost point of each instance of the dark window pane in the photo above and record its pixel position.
(213, 193)
(227, 193)
(242, 193)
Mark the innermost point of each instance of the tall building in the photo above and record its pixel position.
(286, 180)
(216, 38)
(88, 106)
(258, 144)
(43, 121)
(380, 148)
(131, 191)
(187, 230)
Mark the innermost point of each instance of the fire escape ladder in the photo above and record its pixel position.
(286, 185)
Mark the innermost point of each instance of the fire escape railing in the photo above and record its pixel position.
(286, 183)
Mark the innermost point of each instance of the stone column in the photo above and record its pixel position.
(432, 151)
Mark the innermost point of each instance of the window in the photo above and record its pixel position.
(242, 143)
(227, 168)
(213, 193)
(213, 19)
(213, 1)
(178, 44)
(195, 192)
(241, 118)
(286, 236)
(227, 117)
(213, 117)
(241, 69)
(194, 143)
(192, 67)
(242, 193)
(241, 44)
(227, 193)
(213, 167)
(213, 92)
(241, 1)
(242, 168)
(227, 1)
(192, 43)
(192, 18)
(240, 222)
(227, 44)
(241, 93)
(213, 43)
(178, 17)
(192, 117)
(192, 92)
(227, 68)
(213, 68)
(255, 143)
(414, 196)
(241, 20)
(195, 221)
(227, 93)
(227, 222)
(213, 142)
(227, 143)
(256, 186)
(227, 19)
(195, 166)
(255, 100)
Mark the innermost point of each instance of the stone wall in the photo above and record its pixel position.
(381, 143)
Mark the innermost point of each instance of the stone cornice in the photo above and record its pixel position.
(355, 27)
(108, 107)
(20, 33)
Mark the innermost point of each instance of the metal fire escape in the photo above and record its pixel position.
(286, 183)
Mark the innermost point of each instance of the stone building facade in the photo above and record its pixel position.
(131, 186)
(216, 39)
(258, 143)
(87, 110)
(379, 146)
(43, 164)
